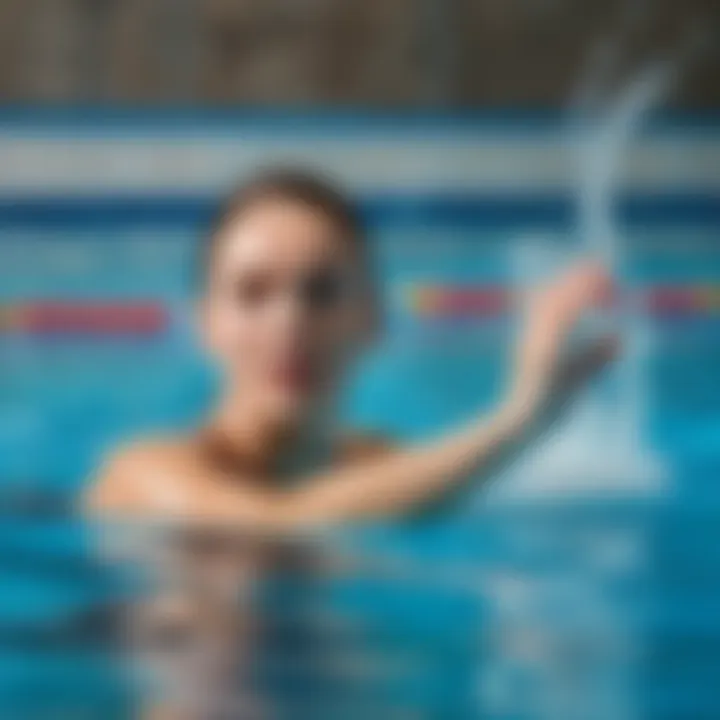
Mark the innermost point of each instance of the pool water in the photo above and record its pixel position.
(73, 384)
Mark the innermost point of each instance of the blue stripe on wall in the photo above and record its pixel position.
(359, 122)
(411, 210)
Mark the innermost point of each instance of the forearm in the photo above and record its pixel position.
(405, 480)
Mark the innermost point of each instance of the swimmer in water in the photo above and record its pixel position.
(287, 305)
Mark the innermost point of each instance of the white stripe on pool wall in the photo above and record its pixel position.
(79, 166)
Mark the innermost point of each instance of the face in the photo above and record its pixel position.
(286, 307)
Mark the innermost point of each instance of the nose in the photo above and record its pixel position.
(293, 315)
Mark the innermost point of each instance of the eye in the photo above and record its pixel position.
(323, 289)
(253, 290)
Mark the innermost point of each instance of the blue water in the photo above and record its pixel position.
(66, 399)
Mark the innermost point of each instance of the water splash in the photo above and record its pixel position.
(600, 151)
(600, 160)
(599, 449)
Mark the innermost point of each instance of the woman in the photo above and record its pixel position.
(287, 305)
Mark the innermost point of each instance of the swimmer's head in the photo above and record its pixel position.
(287, 303)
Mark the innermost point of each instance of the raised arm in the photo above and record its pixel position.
(543, 377)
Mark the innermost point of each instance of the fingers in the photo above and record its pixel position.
(557, 309)
(565, 301)
(540, 370)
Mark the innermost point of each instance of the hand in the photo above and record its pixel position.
(545, 373)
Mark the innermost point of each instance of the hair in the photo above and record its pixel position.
(285, 184)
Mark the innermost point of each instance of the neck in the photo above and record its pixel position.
(271, 447)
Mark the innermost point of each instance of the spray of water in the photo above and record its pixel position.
(610, 417)
(600, 152)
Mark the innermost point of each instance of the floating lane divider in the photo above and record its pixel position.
(84, 317)
(427, 300)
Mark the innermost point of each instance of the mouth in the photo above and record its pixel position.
(296, 374)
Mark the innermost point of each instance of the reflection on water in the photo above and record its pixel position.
(383, 621)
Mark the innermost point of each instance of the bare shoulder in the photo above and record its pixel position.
(367, 446)
(140, 476)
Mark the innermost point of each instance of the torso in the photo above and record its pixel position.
(207, 617)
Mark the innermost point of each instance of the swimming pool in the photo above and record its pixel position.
(95, 344)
